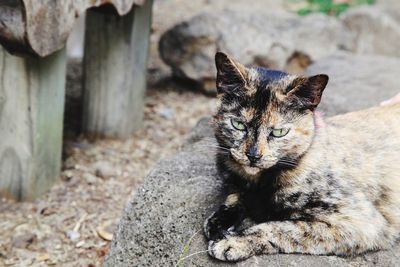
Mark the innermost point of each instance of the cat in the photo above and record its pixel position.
(314, 186)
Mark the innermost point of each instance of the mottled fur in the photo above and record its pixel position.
(327, 187)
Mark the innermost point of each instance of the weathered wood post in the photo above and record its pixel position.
(32, 86)
(116, 51)
(31, 119)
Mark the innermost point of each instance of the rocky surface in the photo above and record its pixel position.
(273, 40)
(279, 40)
(356, 81)
(372, 30)
(392, 7)
(170, 208)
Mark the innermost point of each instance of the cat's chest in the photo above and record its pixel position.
(264, 204)
(269, 203)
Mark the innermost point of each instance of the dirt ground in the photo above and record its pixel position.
(72, 224)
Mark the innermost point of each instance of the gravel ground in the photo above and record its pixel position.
(73, 223)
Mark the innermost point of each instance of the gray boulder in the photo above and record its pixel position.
(392, 7)
(168, 211)
(273, 40)
(356, 81)
(372, 30)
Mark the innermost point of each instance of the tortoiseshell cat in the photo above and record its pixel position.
(313, 186)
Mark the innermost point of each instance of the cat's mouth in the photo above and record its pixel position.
(249, 167)
(252, 170)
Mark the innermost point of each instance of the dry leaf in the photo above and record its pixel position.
(80, 244)
(43, 257)
(103, 233)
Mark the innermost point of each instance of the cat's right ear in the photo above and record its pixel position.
(306, 93)
(230, 74)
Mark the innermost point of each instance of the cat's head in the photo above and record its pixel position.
(265, 118)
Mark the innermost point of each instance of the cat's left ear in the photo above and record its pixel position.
(230, 74)
(307, 92)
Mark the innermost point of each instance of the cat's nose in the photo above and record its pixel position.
(253, 157)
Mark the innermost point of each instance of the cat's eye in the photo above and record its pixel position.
(279, 132)
(238, 125)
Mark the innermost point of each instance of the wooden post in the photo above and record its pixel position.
(115, 62)
(31, 122)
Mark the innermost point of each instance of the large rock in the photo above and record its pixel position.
(356, 81)
(269, 39)
(170, 208)
(373, 30)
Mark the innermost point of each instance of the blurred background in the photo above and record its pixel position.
(72, 224)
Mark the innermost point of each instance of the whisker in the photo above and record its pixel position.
(287, 163)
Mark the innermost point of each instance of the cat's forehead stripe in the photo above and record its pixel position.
(263, 95)
(248, 113)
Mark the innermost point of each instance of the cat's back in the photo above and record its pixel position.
(365, 145)
(385, 119)
(368, 134)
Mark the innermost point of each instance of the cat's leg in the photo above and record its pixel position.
(229, 215)
(296, 237)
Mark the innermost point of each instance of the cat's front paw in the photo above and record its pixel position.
(231, 248)
(223, 222)
(240, 246)
(214, 228)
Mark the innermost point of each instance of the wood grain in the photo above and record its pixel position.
(115, 61)
(31, 116)
(41, 27)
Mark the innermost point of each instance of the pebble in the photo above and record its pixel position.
(24, 240)
(167, 113)
(89, 178)
(104, 169)
(73, 235)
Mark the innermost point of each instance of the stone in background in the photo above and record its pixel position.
(371, 31)
(356, 81)
(278, 39)
(270, 39)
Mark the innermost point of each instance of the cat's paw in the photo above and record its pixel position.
(231, 248)
(220, 223)
(237, 247)
(213, 228)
